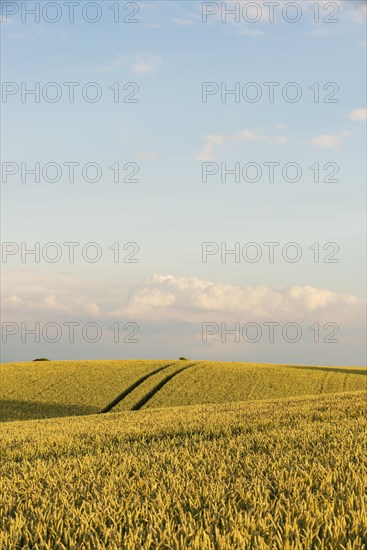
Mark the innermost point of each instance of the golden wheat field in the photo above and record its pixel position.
(64, 388)
(262, 472)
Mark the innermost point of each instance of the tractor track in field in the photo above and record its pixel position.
(159, 386)
(131, 388)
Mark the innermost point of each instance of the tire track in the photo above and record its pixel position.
(126, 392)
(158, 387)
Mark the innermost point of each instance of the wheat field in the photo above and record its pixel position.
(169, 455)
(64, 388)
(273, 474)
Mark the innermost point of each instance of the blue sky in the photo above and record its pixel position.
(172, 136)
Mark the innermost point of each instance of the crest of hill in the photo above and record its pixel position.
(68, 388)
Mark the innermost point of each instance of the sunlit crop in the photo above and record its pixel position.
(288, 473)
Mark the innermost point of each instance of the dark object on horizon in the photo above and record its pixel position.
(42, 359)
(183, 359)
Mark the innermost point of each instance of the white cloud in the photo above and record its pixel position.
(147, 64)
(33, 294)
(167, 298)
(326, 141)
(143, 64)
(212, 140)
(51, 303)
(89, 307)
(345, 133)
(188, 299)
(330, 141)
(151, 298)
(359, 13)
(281, 139)
(358, 114)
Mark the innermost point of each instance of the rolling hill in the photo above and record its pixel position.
(67, 388)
